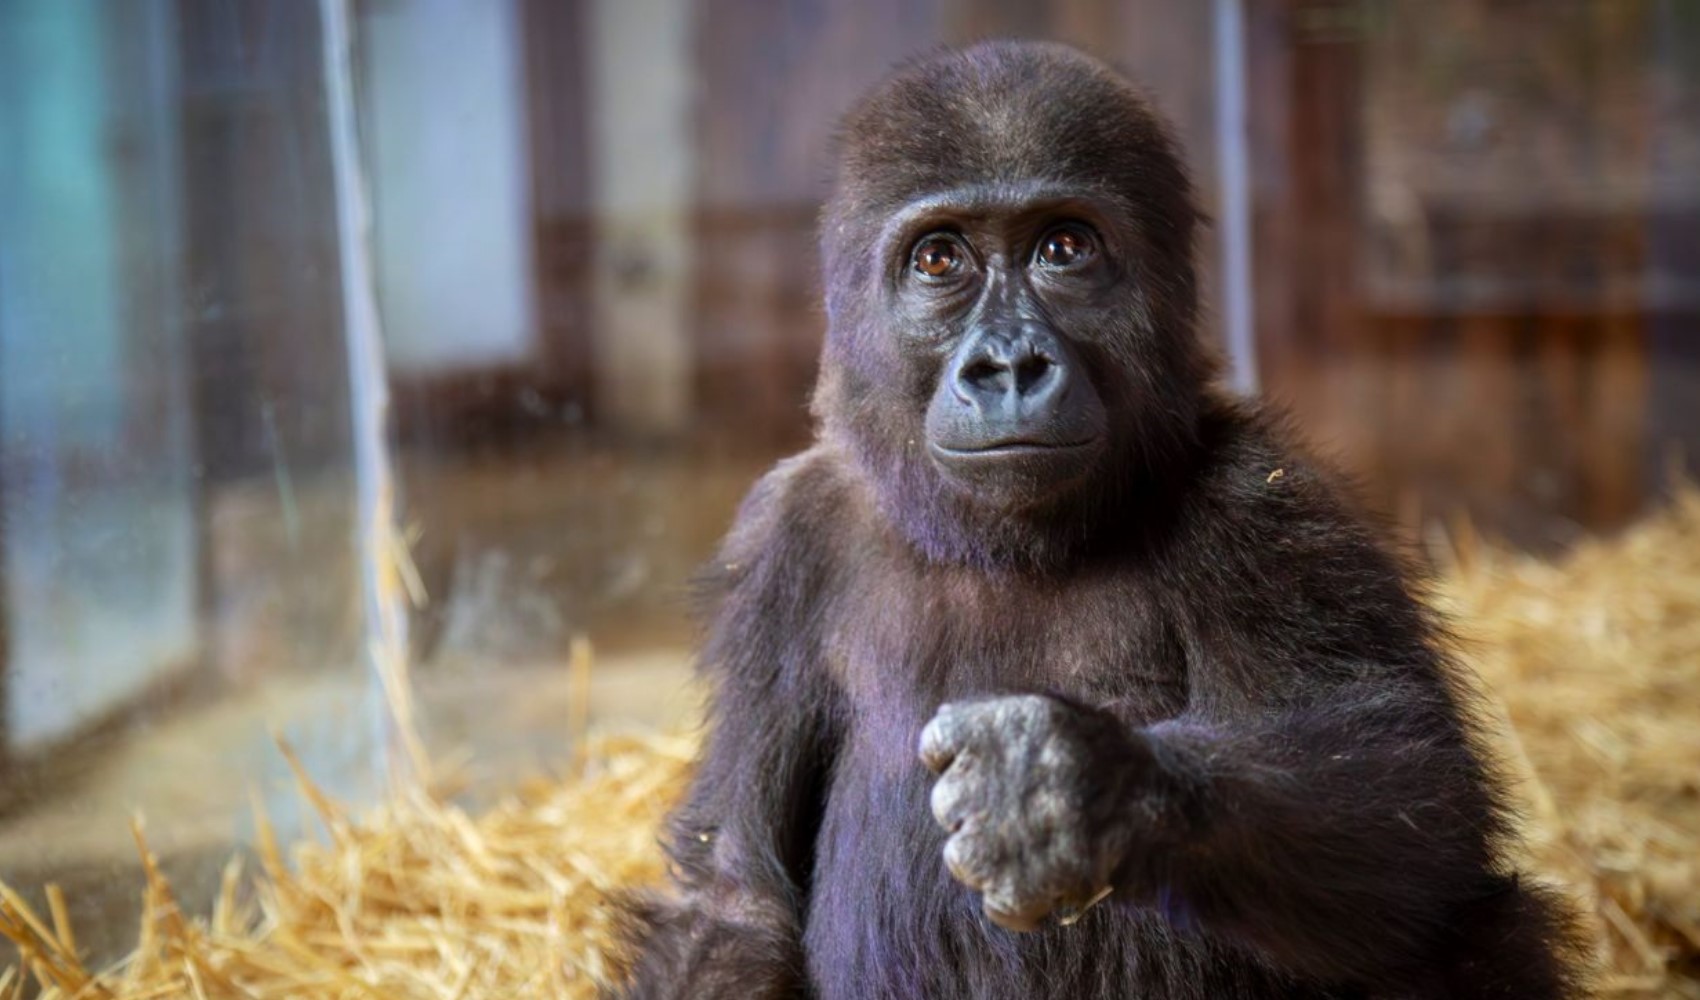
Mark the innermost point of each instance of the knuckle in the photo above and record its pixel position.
(1015, 912)
(1051, 714)
(965, 858)
(948, 716)
(949, 801)
(937, 748)
(1034, 706)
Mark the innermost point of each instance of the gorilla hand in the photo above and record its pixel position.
(1040, 798)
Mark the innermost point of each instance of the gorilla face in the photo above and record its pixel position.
(1010, 296)
(999, 297)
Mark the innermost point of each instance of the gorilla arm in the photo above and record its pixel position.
(742, 842)
(1320, 801)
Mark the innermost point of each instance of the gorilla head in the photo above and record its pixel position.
(1010, 295)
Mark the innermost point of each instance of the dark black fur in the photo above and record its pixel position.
(1248, 728)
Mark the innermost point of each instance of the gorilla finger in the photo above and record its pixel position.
(1012, 916)
(941, 739)
(950, 798)
(965, 858)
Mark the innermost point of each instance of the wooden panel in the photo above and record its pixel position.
(1451, 259)
(555, 69)
(507, 406)
(1673, 246)
(774, 80)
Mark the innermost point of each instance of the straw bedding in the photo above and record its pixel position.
(1593, 663)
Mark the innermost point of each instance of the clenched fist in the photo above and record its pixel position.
(1039, 797)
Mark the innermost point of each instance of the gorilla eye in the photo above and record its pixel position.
(937, 257)
(1065, 246)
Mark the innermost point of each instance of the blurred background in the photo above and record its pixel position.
(1459, 239)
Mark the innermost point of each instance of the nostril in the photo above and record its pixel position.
(1030, 372)
(983, 374)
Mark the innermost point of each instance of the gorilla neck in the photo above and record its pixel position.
(951, 527)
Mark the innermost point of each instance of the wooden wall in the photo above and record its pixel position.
(1467, 223)
(1455, 280)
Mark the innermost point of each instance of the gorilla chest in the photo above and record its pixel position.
(901, 653)
(885, 918)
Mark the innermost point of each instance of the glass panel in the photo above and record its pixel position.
(175, 500)
(101, 554)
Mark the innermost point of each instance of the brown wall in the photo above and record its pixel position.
(1457, 208)
(1455, 279)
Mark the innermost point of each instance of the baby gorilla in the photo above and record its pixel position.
(1184, 730)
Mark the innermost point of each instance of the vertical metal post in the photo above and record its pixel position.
(5, 610)
(1235, 178)
(369, 399)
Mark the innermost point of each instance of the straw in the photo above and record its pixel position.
(1594, 662)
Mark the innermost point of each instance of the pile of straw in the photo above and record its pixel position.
(1594, 660)
(415, 900)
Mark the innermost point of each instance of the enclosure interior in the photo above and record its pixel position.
(1456, 239)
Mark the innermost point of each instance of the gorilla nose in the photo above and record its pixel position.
(1013, 390)
(1009, 375)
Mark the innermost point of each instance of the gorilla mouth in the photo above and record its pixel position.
(1016, 470)
(1013, 448)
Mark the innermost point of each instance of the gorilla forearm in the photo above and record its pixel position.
(740, 846)
(690, 951)
(1337, 840)
(742, 842)
(1334, 840)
